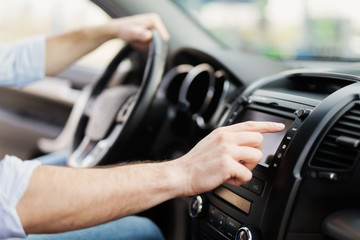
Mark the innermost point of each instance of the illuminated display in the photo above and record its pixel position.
(271, 140)
(239, 202)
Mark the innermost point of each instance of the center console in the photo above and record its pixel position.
(258, 209)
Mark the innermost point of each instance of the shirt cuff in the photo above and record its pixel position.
(15, 176)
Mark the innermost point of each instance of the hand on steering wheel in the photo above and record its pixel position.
(116, 112)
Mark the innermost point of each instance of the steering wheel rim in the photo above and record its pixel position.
(90, 145)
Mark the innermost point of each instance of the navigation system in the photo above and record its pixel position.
(271, 140)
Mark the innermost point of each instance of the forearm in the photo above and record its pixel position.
(62, 50)
(61, 199)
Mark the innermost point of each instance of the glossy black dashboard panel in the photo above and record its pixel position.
(309, 171)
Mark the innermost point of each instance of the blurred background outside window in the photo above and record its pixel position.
(23, 18)
(283, 29)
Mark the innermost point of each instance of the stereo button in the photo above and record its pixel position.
(293, 129)
(213, 216)
(246, 185)
(213, 220)
(221, 220)
(256, 186)
(232, 225)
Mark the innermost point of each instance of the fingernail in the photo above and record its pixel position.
(280, 125)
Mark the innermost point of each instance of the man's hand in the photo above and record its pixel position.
(137, 29)
(228, 154)
(61, 199)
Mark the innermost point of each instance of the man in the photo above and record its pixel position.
(52, 199)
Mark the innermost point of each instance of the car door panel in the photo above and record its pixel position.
(27, 115)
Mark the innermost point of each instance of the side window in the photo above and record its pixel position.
(23, 18)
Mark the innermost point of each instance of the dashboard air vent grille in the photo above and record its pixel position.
(340, 147)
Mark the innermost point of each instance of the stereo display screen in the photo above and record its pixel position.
(271, 140)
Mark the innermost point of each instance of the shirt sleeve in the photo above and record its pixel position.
(22, 62)
(15, 176)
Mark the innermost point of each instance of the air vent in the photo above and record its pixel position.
(323, 83)
(339, 149)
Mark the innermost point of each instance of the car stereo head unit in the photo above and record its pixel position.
(231, 208)
(271, 140)
(261, 108)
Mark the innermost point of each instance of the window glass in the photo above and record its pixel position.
(285, 29)
(22, 18)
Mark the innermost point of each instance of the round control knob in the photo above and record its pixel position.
(248, 233)
(196, 206)
(302, 113)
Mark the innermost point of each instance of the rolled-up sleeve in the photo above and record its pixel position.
(22, 62)
(15, 176)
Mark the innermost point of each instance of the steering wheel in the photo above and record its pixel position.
(115, 112)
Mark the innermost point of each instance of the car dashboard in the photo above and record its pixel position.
(305, 187)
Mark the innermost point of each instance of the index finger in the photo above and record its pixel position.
(255, 126)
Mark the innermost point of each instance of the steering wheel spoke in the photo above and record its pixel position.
(126, 109)
(90, 152)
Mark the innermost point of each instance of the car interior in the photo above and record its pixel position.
(156, 105)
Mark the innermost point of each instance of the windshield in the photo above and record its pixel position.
(283, 29)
